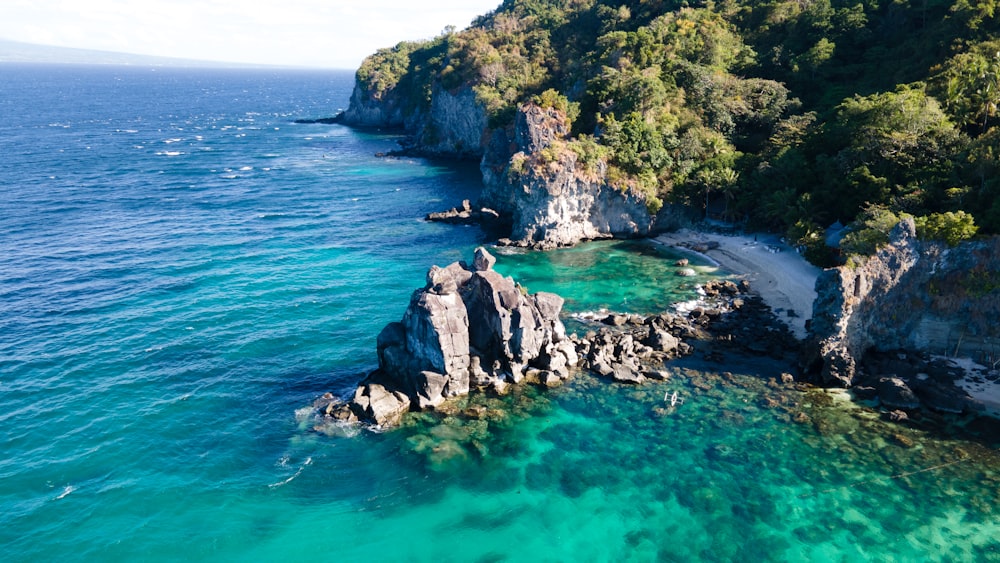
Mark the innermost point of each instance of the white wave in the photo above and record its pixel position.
(169, 141)
(590, 315)
(169, 153)
(307, 462)
(66, 491)
(245, 168)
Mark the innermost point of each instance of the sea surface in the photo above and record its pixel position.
(184, 270)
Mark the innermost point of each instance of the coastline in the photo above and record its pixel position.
(776, 272)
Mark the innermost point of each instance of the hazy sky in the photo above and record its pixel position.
(321, 33)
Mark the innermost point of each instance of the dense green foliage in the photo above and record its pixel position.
(784, 114)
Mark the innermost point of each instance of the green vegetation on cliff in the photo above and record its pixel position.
(783, 114)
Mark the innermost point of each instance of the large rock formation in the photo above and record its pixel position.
(910, 295)
(552, 198)
(467, 328)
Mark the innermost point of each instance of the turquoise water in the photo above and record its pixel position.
(183, 270)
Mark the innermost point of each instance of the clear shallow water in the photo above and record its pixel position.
(182, 269)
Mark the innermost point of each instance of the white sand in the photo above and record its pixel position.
(776, 272)
(976, 385)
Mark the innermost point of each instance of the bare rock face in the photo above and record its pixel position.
(911, 295)
(535, 127)
(847, 319)
(455, 125)
(369, 109)
(465, 329)
(560, 201)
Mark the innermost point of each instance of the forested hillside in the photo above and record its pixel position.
(784, 114)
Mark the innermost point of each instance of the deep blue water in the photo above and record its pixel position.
(183, 270)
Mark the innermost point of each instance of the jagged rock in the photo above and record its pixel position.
(615, 319)
(430, 388)
(661, 340)
(483, 260)
(624, 374)
(895, 394)
(376, 403)
(945, 398)
(464, 329)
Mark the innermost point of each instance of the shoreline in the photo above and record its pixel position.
(776, 272)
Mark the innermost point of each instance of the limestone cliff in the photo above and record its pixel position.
(910, 295)
(551, 196)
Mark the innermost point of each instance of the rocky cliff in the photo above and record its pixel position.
(373, 109)
(552, 197)
(912, 295)
(451, 125)
(531, 176)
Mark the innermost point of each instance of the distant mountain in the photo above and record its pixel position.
(18, 52)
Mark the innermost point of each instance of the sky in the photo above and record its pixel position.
(312, 33)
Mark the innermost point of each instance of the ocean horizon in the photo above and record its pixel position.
(185, 269)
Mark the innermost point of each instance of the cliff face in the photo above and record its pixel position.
(529, 174)
(552, 198)
(453, 126)
(368, 109)
(910, 295)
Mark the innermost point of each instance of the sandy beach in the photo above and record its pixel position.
(776, 272)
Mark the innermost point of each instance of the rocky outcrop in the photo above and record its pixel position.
(877, 324)
(910, 295)
(467, 328)
(470, 329)
(552, 198)
(851, 313)
(465, 215)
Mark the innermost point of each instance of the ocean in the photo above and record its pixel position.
(184, 269)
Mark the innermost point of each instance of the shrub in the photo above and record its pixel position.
(951, 227)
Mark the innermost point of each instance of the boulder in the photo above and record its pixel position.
(661, 340)
(483, 260)
(895, 394)
(378, 404)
